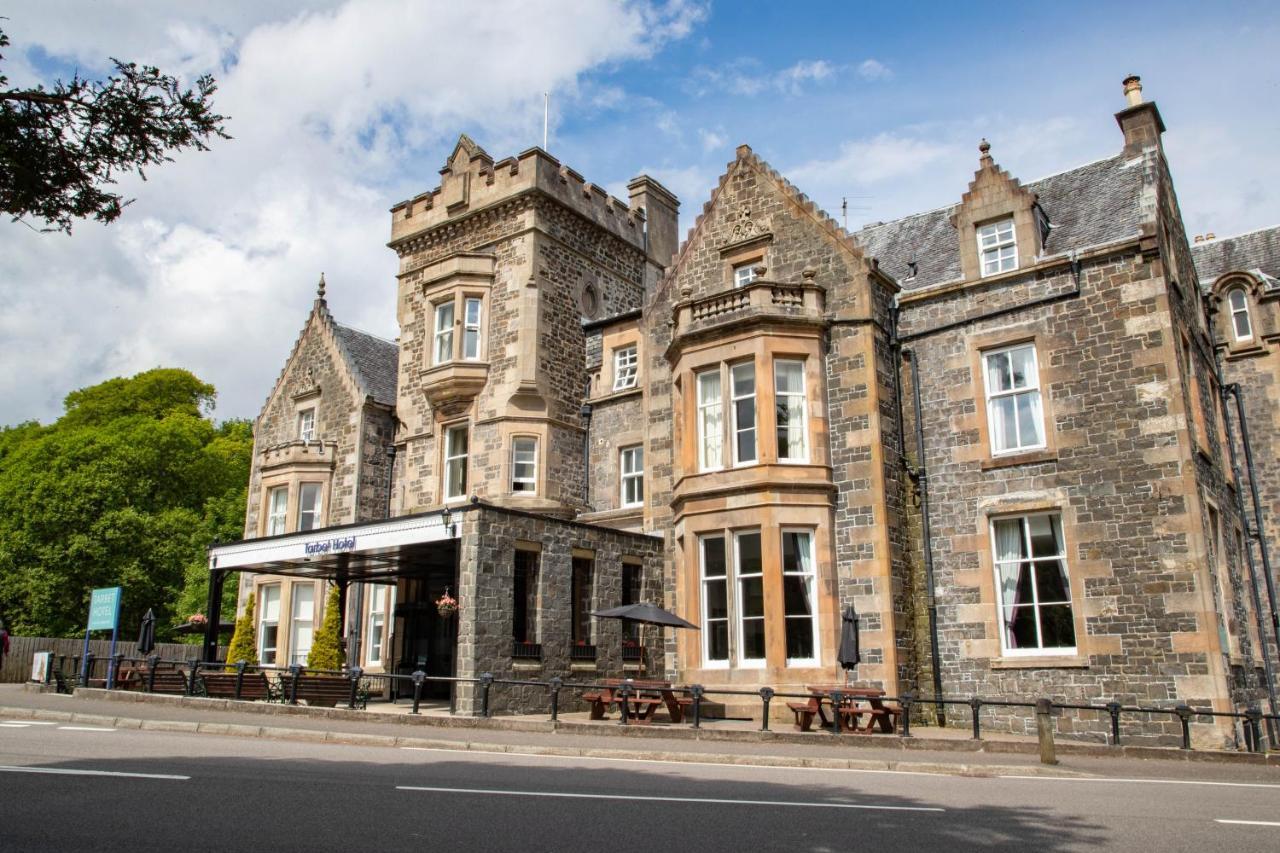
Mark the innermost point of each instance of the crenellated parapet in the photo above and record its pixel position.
(471, 182)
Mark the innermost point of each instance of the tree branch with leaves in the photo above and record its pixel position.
(63, 148)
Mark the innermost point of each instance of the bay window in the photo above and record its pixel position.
(471, 329)
(1031, 580)
(1015, 416)
(444, 333)
(309, 506)
(715, 601)
(710, 421)
(800, 612)
(792, 425)
(301, 630)
(377, 626)
(277, 510)
(268, 623)
(742, 380)
(524, 464)
(749, 568)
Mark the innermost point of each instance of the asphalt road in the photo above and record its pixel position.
(67, 787)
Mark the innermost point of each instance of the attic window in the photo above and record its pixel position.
(997, 247)
(744, 274)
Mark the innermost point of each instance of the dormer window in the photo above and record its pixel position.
(744, 274)
(307, 424)
(997, 247)
(1240, 323)
(447, 346)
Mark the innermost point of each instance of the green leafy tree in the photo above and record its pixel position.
(326, 649)
(243, 644)
(61, 148)
(128, 488)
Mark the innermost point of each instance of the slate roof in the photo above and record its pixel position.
(1090, 205)
(373, 360)
(1256, 250)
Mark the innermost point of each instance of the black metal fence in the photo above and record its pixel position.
(1259, 730)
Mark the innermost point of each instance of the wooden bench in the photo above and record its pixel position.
(171, 681)
(328, 691)
(886, 716)
(805, 712)
(222, 685)
(639, 708)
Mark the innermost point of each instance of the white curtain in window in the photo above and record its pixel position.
(1009, 554)
(711, 419)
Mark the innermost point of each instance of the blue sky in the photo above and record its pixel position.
(339, 109)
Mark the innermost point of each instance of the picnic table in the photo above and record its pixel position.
(643, 700)
(855, 703)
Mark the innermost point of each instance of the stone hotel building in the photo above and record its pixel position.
(1009, 432)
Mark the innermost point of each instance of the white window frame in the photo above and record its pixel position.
(810, 578)
(631, 475)
(442, 338)
(736, 609)
(297, 654)
(997, 247)
(791, 397)
(626, 367)
(471, 328)
(277, 510)
(524, 483)
(1035, 604)
(727, 580)
(744, 274)
(738, 428)
(315, 510)
(377, 626)
(264, 622)
(1242, 310)
(710, 406)
(450, 454)
(1030, 390)
(307, 424)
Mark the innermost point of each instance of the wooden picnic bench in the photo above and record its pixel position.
(856, 703)
(171, 681)
(222, 685)
(642, 701)
(328, 691)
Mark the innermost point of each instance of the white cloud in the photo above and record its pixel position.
(334, 109)
(745, 77)
(871, 69)
(711, 140)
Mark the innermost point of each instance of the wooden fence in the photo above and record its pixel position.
(17, 664)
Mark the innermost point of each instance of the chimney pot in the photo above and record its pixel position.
(1199, 238)
(1133, 89)
(1210, 236)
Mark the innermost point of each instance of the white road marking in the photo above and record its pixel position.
(1146, 781)
(64, 771)
(32, 722)
(1249, 822)
(13, 725)
(83, 729)
(564, 795)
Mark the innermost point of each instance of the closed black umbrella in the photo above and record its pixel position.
(849, 655)
(147, 635)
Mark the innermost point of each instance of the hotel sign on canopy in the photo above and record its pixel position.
(330, 546)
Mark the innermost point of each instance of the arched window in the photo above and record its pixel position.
(1240, 323)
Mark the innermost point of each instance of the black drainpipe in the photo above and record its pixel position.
(1267, 669)
(922, 483)
(585, 411)
(1258, 531)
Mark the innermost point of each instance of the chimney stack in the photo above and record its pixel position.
(662, 215)
(1139, 121)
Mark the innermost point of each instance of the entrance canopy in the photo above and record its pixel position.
(370, 551)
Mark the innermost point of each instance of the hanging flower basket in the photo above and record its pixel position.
(446, 605)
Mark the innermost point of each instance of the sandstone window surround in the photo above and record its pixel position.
(742, 390)
(377, 623)
(268, 623)
(1034, 605)
(455, 453)
(302, 621)
(1241, 324)
(710, 427)
(307, 424)
(799, 592)
(792, 423)
(310, 505)
(524, 465)
(733, 600)
(626, 361)
(1015, 410)
(631, 469)
(998, 247)
(744, 274)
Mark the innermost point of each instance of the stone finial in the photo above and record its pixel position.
(1133, 89)
(984, 149)
(320, 288)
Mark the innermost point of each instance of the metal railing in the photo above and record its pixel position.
(1259, 730)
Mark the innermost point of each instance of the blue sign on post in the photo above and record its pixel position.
(104, 615)
(104, 609)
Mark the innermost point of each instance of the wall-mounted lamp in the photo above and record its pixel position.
(446, 519)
